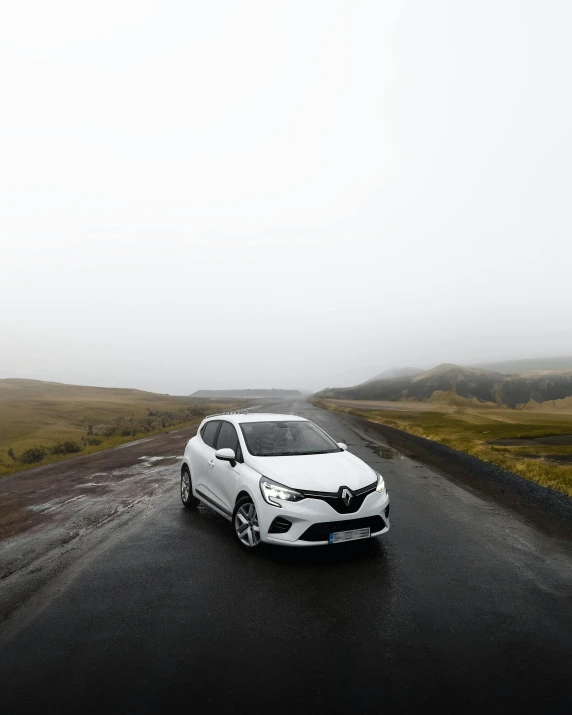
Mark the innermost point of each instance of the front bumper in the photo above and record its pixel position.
(313, 519)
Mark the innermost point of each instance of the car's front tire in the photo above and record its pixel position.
(189, 501)
(245, 523)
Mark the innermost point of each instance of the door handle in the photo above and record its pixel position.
(211, 462)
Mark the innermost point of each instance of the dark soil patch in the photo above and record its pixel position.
(556, 439)
(560, 458)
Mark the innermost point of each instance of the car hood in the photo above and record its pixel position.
(316, 472)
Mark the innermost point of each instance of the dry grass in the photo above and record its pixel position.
(33, 413)
(469, 429)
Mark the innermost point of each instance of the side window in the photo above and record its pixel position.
(227, 437)
(208, 432)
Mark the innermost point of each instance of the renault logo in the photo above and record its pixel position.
(347, 496)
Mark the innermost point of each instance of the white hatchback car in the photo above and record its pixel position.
(281, 479)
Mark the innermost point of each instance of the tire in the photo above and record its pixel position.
(245, 523)
(189, 501)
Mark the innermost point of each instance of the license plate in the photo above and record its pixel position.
(338, 536)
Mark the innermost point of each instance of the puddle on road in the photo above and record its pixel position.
(93, 484)
(156, 459)
(383, 451)
(55, 504)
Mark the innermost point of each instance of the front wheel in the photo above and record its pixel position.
(189, 501)
(245, 521)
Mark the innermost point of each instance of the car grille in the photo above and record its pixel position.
(279, 526)
(321, 532)
(334, 499)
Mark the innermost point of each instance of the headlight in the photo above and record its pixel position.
(272, 491)
(380, 483)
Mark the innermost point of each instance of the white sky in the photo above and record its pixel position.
(281, 194)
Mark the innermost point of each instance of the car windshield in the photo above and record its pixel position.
(279, 439)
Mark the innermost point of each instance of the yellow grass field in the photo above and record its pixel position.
(536, 444)
(46, 414)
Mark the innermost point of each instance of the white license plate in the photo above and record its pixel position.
(338, 536)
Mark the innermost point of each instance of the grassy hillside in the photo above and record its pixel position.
(534, 444)
(486, 386)
(529, 365)
(470, 409)
(41, 421)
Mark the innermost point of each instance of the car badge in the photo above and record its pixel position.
(347, 496)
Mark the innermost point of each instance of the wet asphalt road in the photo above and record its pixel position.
(462, 607)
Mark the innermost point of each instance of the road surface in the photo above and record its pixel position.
(465, 606)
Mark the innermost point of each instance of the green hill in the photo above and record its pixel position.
(486, 386)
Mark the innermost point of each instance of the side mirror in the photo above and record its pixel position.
(343, 446)
(226, 454)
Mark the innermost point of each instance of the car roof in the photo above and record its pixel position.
(242, 417)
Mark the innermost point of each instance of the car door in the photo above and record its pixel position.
(225, 475)
(204, 459)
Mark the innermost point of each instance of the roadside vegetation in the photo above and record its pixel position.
(534, 445)
(44, 422)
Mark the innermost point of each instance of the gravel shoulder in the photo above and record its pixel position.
(55, 514)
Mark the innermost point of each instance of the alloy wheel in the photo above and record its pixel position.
(185, 486)
(246, 525)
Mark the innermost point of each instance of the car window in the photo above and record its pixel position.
(227, 437)
(274, 439)
(209, 432)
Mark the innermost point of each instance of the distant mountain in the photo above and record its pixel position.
(253, 394)
(529, 365)
(396, 372)
(449, 382)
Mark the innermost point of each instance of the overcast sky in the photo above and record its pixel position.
(281, 194)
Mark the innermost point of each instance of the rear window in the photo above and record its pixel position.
(209, 432)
